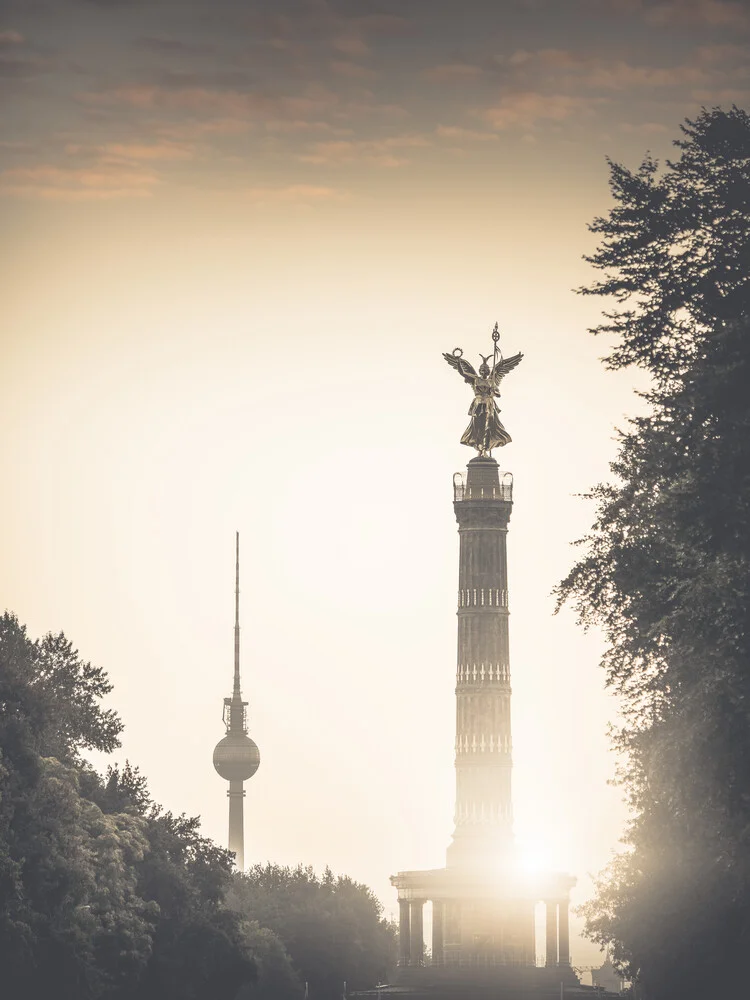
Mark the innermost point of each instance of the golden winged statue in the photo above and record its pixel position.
(485, 431)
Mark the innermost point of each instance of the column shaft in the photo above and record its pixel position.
(483, 818)
(404, 932)
(551, 933)
(437, 932)
(531, 955)
(564, 949)
(417, 932)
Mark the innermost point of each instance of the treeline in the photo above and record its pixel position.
(665, 570)
(105, 895)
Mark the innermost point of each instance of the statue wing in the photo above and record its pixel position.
(502, 368)
(462, 366)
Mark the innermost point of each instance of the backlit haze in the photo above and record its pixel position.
(237, 238)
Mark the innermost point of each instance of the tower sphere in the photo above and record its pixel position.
(236, 757)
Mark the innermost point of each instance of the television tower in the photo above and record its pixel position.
(236, 757)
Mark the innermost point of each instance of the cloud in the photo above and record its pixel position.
(316, 23)
(148, 151)
(526, 110)
(304, 125)
(209, 102)
(643, 128)
(566, 72)
(546, 59)
(346, 68)
(380, 152)
(672, 14)
(53, 183)
(172, 46)
(626, 76)
(464, 134)
(702, 13)
(300, 194)
(351, 45)
(9, 37)
(193, 130)
(722, 55)
(453, 73)
(18, 61)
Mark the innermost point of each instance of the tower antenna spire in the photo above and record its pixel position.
(236, 757)
(236, 689)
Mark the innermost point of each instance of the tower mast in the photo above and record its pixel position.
(236, 693)
(236, 757)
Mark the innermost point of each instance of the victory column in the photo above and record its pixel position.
(483, 908)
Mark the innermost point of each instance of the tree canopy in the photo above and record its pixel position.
(102, 894)
(665, 570)
(332, 926)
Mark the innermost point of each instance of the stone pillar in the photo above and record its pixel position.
(417, 932)
(483, 817)
(531, 952)
(564, 949)
(551, 932)
(437, 932)
(404, 932)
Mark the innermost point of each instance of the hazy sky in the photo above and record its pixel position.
(236, 239)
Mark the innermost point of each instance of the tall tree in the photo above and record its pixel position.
(666, 567)
(72, 923)
(103, 896)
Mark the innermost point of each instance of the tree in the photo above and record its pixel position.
(103, 896)
(666, 567)
(71, 921)
(331, 926)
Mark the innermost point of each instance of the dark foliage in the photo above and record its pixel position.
(332, 927)
(102, 895)
(666, 568)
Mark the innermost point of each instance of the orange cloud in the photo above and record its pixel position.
(460, 134)
(295, 193)
(148, 151)
(381, 152)
(209, 102)
(97, 183)
(530, 108)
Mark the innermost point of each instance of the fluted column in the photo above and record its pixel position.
(483, 818)
(404, 932)
(437, 932)
(531, 954)
(417, 933)
(551, 932)
(564, 934)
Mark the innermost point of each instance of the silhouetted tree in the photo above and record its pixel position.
(102, 894)
(72, 923)
(332, 927)
(666, 568)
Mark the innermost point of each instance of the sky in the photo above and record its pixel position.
(237, 238)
